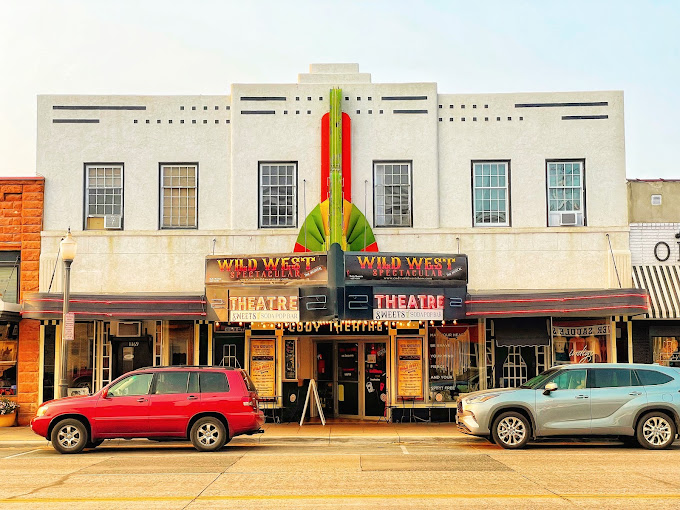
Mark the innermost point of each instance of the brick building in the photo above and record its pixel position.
(21, 216)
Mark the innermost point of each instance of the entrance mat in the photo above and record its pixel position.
(465, 462)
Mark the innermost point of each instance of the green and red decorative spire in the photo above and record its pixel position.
(336, 219)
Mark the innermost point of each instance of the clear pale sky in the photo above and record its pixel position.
(201, 47)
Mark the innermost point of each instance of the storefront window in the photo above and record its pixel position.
(666, 351)
(180, 336)
(454, 362)
(8, 358)
(580, 341)
(80, 359)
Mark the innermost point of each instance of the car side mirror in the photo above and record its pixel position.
(105, 393)
(551, 386)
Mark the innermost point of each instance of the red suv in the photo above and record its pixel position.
(208, 405)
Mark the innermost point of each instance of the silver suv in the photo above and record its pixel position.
(634, 401)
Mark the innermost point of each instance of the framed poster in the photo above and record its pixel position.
(263, 365)
(410, 367)
(290, 359)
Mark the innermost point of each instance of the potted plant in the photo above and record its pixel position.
(8, 412)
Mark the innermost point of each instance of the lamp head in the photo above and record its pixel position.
(68, 247)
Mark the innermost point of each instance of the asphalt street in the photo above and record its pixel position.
(419, 474)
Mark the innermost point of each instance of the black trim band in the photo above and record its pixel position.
(87, 107)
(550, 105)
(75, 121)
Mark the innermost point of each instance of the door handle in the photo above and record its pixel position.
(142, 399)
(635, 393)
(581, 396)
(192, 397)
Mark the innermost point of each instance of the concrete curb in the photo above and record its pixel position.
(264, 439)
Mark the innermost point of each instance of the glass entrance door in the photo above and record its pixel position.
(348, 378)
(375, 378)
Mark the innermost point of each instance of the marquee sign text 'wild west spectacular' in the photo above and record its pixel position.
(271, 268)
(390, 266)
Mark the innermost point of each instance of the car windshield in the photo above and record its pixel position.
(535, 382)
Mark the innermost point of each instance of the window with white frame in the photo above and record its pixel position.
(491, 202)
(104, 197)
(392, 194)
(278, 195)
(178, 196)
(565, 193)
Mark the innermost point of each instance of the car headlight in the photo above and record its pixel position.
(41, 411)
(480, 398)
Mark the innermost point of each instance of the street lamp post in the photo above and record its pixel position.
(68, 253)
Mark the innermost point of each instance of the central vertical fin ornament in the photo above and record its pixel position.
(335, 212)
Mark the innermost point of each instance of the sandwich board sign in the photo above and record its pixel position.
(315, 397)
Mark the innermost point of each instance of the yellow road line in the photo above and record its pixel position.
(339, 497)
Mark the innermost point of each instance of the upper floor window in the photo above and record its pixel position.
(491, 200)
(566, 193)
(104, 197)
(178, 196)
(10, 266)
(278, 195)
(392, 194)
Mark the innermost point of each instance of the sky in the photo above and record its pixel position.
(202, 47)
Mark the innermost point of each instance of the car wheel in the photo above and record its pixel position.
(656, 431)
(208, 434)
(511, 430)
(69, 436)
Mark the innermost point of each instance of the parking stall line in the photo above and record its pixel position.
(22, 453)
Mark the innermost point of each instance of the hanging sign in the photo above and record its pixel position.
(410, 368)
(263, 365)
(275, 269)
(69, 326)
(362, 267)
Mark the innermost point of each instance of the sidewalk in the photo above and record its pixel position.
(332, 432)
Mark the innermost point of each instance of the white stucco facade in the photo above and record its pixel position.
(227, 145)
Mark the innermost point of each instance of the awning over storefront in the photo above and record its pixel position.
(663, 284)
(520, 332)
(116, 306)
(586, 303)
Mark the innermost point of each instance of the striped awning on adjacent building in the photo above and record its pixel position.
(663, 284)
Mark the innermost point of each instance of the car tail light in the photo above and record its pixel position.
(249, 402)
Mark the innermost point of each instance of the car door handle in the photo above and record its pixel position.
(142, 399)
(192, 397)
(635, 393)
(581, 396)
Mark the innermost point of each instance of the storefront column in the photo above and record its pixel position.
(280, 360)
(392, 383)
(611, 342)
(197, 344)
(41, 363)
(629, 329)
(210, 343)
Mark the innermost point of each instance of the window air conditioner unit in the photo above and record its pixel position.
(568, 218)
(113, 221)
(128, 329)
